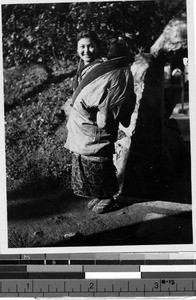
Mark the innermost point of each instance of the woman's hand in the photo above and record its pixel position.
(101, 119)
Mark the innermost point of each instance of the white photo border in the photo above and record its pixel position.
(191, 12)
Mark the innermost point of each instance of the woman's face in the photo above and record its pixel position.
(87, 50)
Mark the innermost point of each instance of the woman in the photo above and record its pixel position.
(103, 97)
(88, 49)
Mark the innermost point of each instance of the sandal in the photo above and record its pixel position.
(93, 202)
(103, 206)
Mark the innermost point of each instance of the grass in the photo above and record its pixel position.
(37, 164)
(35, 153)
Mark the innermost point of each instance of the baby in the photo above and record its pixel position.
(118, 48)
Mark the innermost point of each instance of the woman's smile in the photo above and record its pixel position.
(87, 50)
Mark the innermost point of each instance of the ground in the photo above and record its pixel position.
(64, 220)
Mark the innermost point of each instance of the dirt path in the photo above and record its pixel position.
(64, 220)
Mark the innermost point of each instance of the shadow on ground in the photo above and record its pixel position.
(170, 230)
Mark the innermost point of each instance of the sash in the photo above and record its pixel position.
(100, 70)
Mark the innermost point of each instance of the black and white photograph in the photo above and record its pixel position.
(98, 113)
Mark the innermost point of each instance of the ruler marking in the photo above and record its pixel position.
(182, 285)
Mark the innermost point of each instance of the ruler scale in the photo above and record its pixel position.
(135, 287)
(98, 275)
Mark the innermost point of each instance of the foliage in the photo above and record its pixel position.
(45, 33)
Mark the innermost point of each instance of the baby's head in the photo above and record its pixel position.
(118, 47)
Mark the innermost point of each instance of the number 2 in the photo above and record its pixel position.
(91, 285)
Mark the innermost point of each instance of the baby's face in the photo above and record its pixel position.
(87, 50)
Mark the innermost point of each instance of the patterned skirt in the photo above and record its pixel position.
(93, 177)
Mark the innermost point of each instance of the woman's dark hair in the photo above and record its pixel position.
(91, 35)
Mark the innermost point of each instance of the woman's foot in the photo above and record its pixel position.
(103, 206)
(93, 202)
